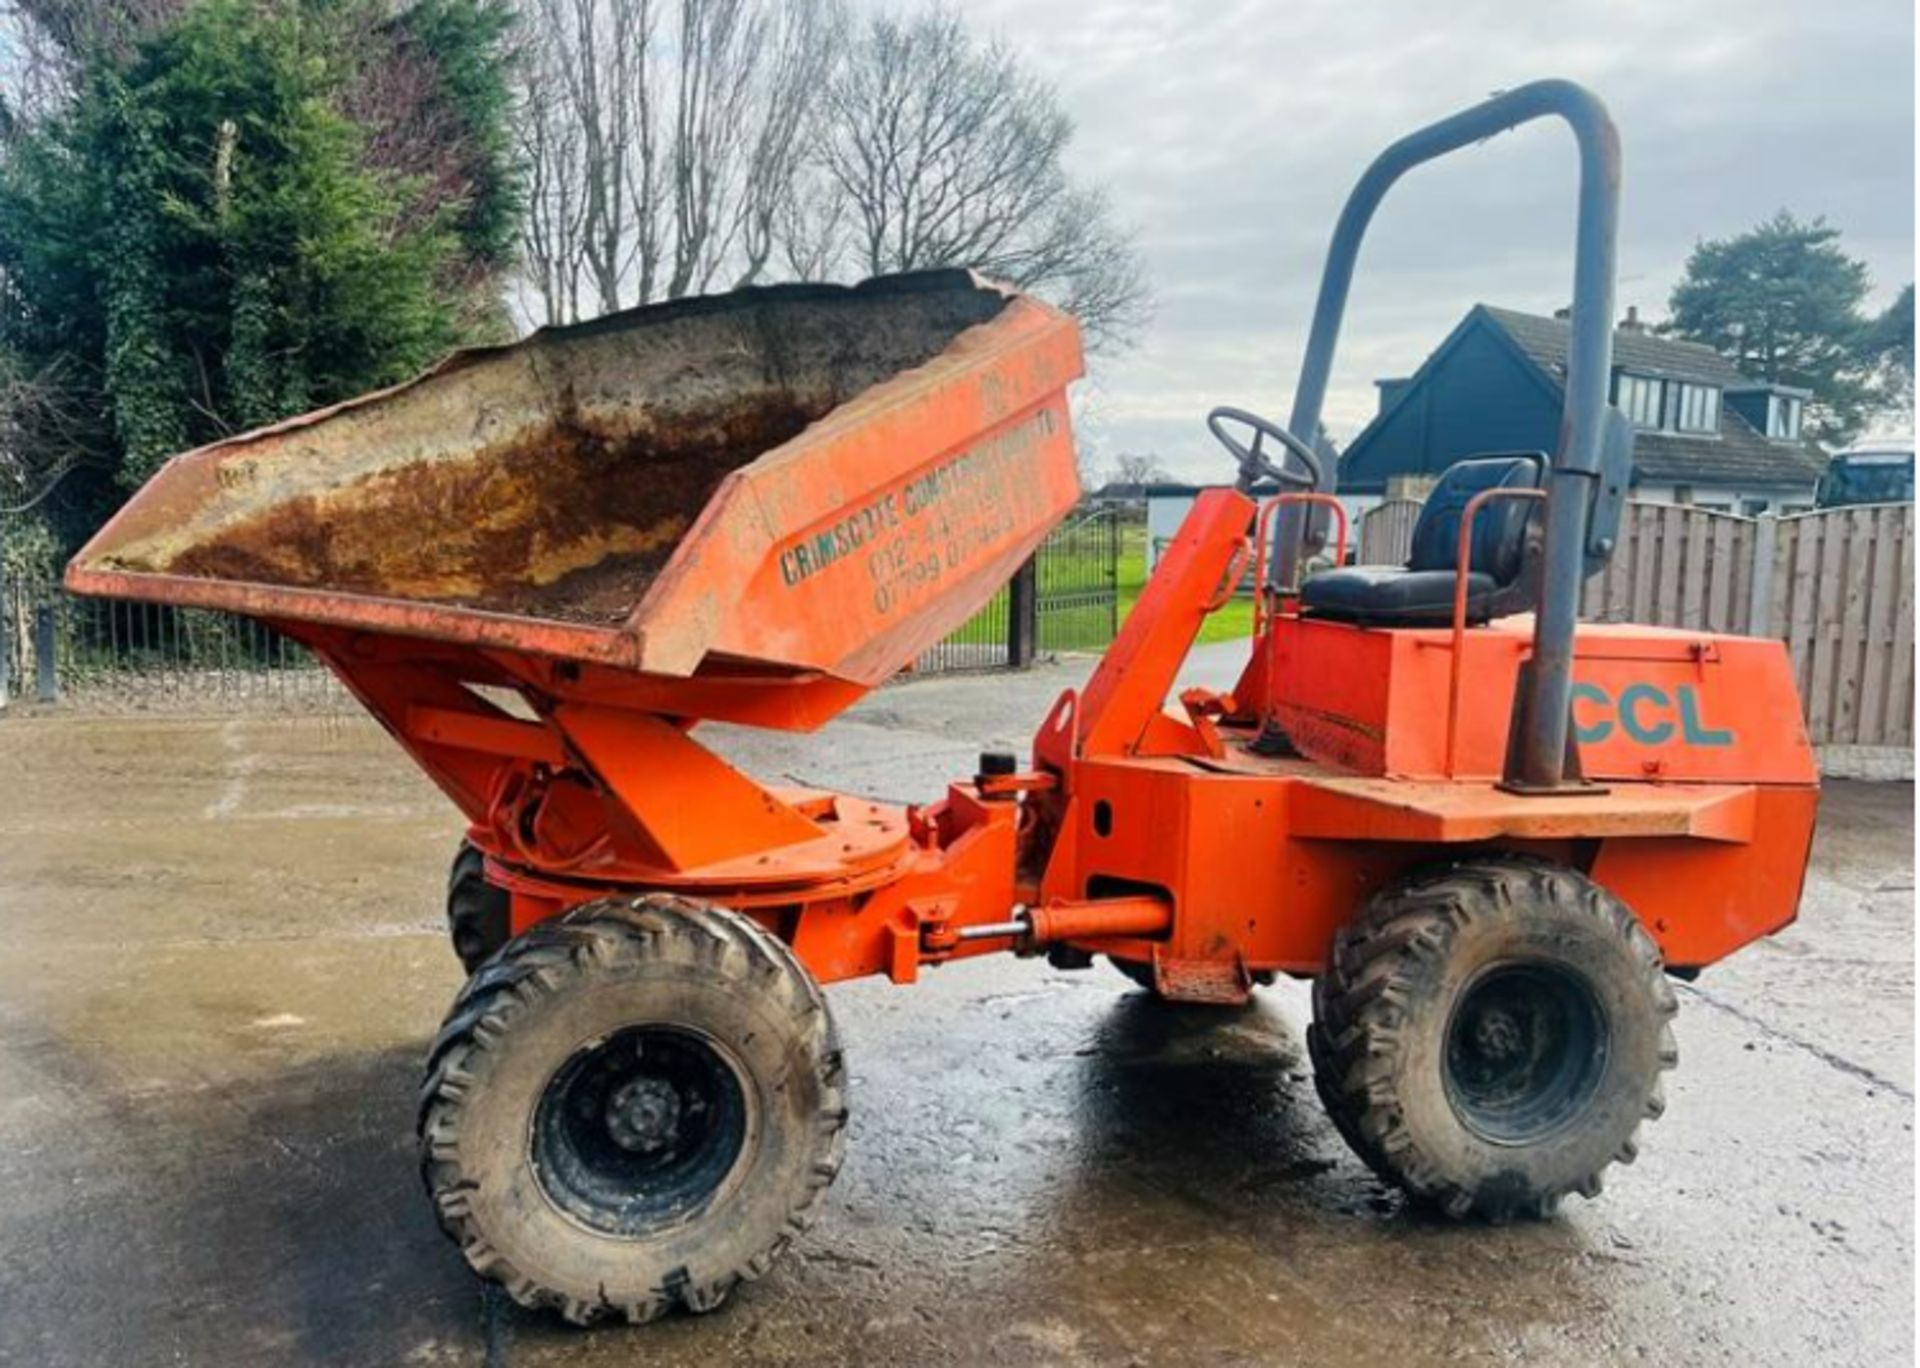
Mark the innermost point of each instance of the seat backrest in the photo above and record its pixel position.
(1499, 529)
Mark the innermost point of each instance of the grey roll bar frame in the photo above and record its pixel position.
(1538, 751)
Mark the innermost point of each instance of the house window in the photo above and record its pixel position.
(1753, 508)
(1695, 408)
(1639, 397)
(1783, 417)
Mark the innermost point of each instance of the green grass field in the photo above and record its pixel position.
(1230, 623)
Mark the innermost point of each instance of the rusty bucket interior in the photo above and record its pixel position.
(557, 480)
(551, 481)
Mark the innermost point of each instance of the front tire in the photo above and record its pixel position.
(1490, 1035)
(634, 1107)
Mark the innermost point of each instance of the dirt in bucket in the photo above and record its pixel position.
(570, 525)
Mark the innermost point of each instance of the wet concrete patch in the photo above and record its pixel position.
(212, 1015)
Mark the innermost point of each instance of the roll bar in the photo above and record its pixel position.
(1538, 750)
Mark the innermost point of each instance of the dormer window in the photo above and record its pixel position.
(1783, 417)
(1639, 397)
(1777, 412)
(1694, 408)
(1667, 405)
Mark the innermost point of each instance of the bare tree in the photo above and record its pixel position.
(553, 230)
(666, 142)
(812, 224)
(43, 41)
(411, 132)
(1138, 468)
(720, 49)
(951, 155)
(675, 143)
(589, 134)
(780, 207)
(49, 428)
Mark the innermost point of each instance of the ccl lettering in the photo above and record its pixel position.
(1645, 713)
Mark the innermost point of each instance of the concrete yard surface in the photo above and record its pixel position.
(224, 958)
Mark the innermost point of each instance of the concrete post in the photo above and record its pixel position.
(6, 641)
(1760, 580)
(1023, 616)
(43, 645)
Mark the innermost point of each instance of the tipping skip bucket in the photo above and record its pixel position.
(787, 481)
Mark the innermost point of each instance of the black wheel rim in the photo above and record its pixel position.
(640, 1131)
(1526, 1047)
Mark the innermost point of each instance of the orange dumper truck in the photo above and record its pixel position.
(1488, 834)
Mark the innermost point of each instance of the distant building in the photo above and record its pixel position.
(1706, 434)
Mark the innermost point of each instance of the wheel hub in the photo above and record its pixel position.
(637, 1131)
(1498, 1036)
(644, 1114)
(1525, 1051)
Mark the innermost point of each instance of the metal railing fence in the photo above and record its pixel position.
(115, 656)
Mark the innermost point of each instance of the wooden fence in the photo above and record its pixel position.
(1836, 586)
(1842, 597)
(1677, 567)
(1384, 535)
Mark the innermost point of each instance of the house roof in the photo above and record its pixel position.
(1738, 455)
(1545, 340)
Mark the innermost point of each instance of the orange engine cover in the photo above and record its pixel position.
(1650, 703)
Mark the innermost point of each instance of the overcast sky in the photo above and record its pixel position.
(1229, 132)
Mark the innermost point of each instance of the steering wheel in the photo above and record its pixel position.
(1253, 461)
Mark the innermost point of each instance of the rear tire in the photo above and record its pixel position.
(634, 1107)
(1490, 1035)
(479, 914)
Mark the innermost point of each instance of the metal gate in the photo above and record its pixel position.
(1067, 598)
(1077, 589)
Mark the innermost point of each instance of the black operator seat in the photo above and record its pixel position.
(1501, 576)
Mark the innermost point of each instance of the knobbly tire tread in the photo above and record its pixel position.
(1361, 999)
(478, 914)
(558, 954)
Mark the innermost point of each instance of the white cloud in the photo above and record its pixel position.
(1229, 133)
